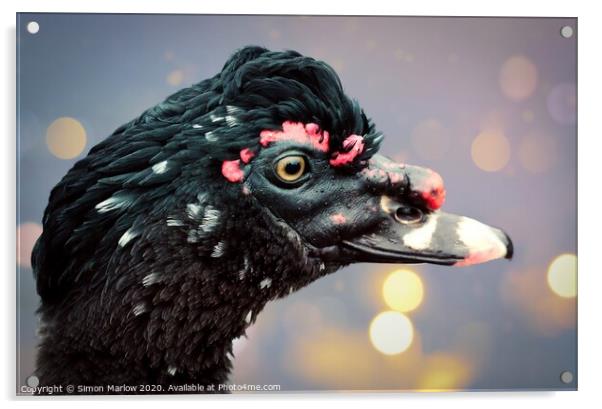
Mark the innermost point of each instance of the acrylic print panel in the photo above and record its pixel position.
(213, 217)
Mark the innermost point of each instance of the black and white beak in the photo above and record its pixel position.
(439, 238)
(412, 229)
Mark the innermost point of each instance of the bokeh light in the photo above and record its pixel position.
(66, 138)
(403, 290)
(562, 103)
(562, 275)
(27, 234)
(490, 150)
(540, 310)
(443, 372)
(175, 78)
(391, 332)
(518, 78)
(528, 116)
(537, 152)
(336, 357)
(332, 357)
(430, 139)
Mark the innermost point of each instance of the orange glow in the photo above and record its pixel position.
(66, 138)
(27, 234)
(518, 78)
(403, 290)
(537, 153)
(336, 358)
(175, 78)
(344, 359)
(529, 295)
(444, 372)
(490, 150)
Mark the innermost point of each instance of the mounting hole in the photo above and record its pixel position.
(33, 27)
(566, 377)
(566, 31)
(32, 381)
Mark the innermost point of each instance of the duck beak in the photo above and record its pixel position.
(436, 238)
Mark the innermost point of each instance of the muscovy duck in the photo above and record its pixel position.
(165, 242)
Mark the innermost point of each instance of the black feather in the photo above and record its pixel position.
(101, 324)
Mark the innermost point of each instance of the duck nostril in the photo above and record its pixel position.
(408, 215)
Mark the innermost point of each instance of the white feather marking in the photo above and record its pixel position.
(386, 204)
(160, 168)
(151, 279)
(193, 210)
(215, 118)
(197, 126)
(218, 249)
(193, 236)
(210, 219)
(202, 197)
(322, 267)
(249, 317)
(231, 109)
(172, 370)
(231, 120)
(112, 203)
(265, 283)
(242, 273)
(421, 237)
(211, 136)
(130, 234)
(171, 222)
(139, 308)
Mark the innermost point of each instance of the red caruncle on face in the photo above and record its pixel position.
(310, 134)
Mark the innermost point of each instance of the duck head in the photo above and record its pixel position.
(172, 234)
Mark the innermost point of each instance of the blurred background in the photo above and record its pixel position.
(489, 103)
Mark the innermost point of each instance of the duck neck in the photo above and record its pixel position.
(167, 308)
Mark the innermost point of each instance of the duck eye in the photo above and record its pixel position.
(290, 168)
(409, 215)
